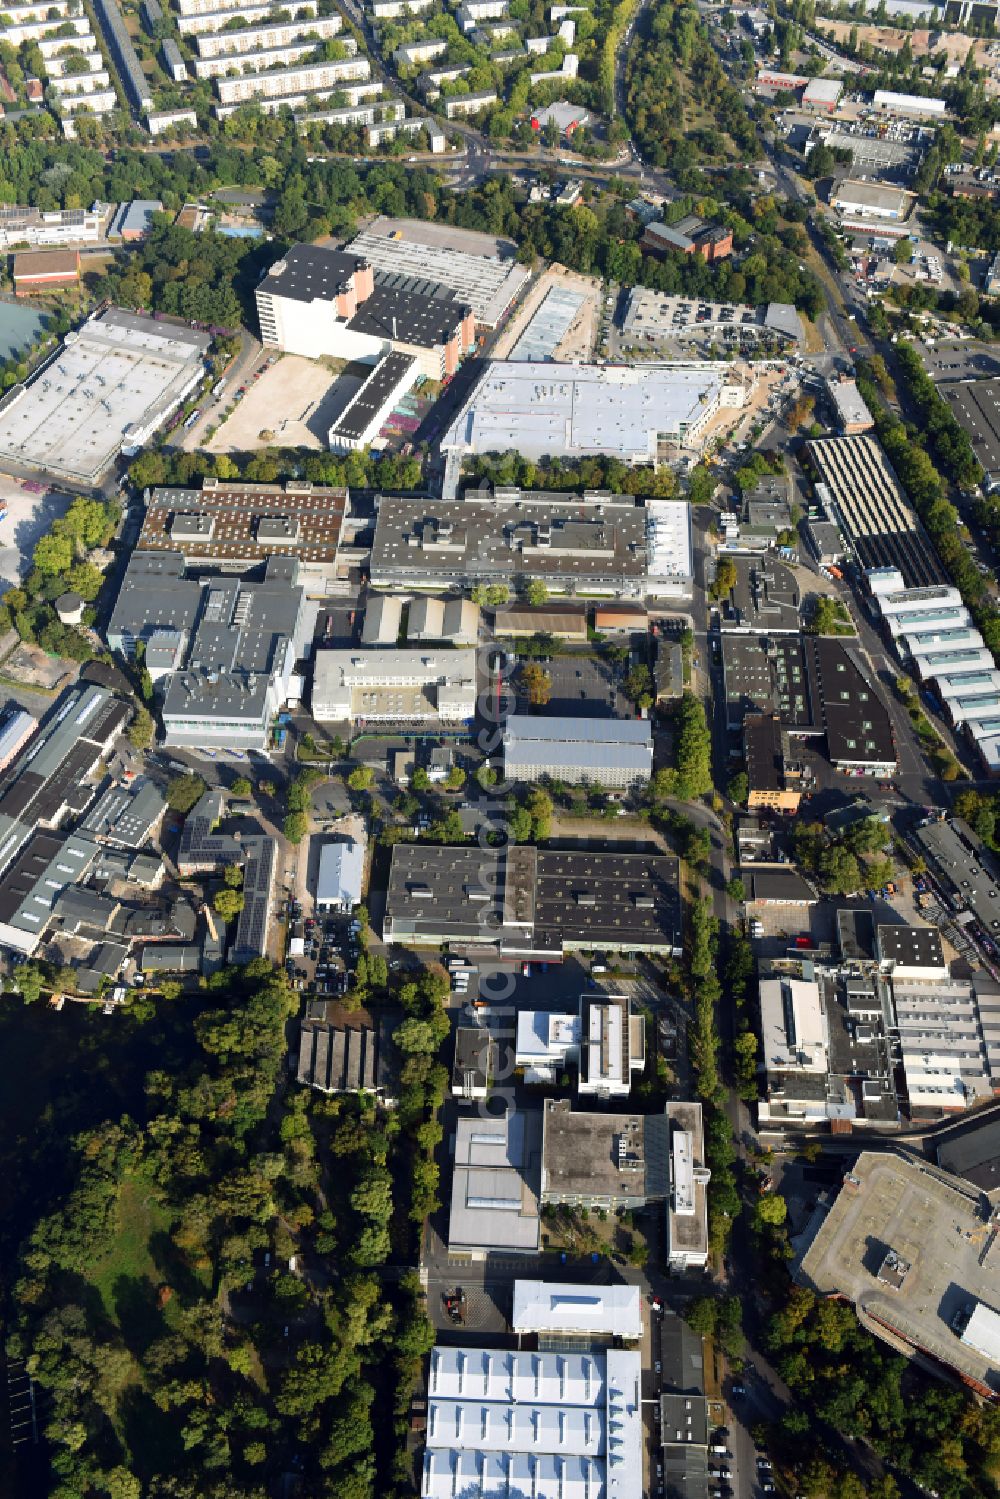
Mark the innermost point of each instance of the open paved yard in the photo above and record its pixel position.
(29, 516)
(295, 402)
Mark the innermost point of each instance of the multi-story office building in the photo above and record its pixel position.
(317, 301)
(394, 686)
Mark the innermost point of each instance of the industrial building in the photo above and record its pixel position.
(521, 621)
(221, 650)
(687, 1202)
(929, 1294)
(602, 1041)
(857, 485)
(528, 902)
(16, 728)
(556, 1425)
(613, 753)
(966, 868)
(432, 619)
(41, 271)
(489, 284)
(394, 686)
(316, 301)
(858, 199)
(818, 688)
(825, 1047)
(976, 407)
(763, 600)
(593, 1314)
(234, 527)
(495, 1184)
(49, 779)
(595, 543)
(767, 755)
(348, 1052)
(341, 875)
(253, 927)
(607, 1161)
(364, 416)
(636, 414)
(475, 1063)
(853, 416)
(114, 383)
(909, 104)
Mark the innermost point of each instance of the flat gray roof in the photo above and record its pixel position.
(113, 382)
(893, 1202)
(495, 1182)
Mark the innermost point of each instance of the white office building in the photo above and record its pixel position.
(546, 1310)
(552, 1425)
(546, 1043)
(394, 686)
(687, 1205)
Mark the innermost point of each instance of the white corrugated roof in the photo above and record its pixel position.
(543, 1306)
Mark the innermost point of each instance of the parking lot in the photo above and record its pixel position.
(582, 687)
(960, 360)
(294, 401)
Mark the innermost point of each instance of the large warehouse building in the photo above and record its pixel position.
(858, 484)
(596, 544)
(528, 902)
(115, 382)
(616, 753)
(575, 411)
(556, 1425)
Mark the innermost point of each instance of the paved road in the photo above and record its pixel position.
(214, 408)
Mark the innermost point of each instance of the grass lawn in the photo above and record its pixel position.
(130, 1261)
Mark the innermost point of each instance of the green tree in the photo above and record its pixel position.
(739, 788)
(361, 778)
(295, 826)
(241, 787)
(184, 790)
(228, 903)
(771, 1209)
(142, 730)
(725, 578)
(537, 593)
(537, 683)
